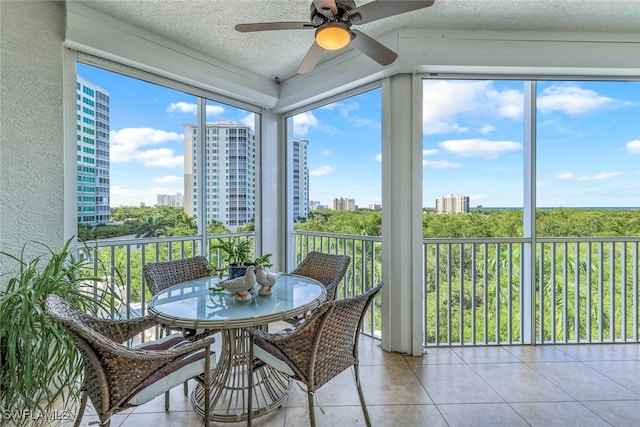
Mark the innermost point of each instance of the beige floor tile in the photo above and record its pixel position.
(481, 415)
(619, 371)
(517, 382)
(558, 414)
(619, 413)
(456, 386)
(455, 383)
(490, 354)
(582, 382)
(435, 355)
(405, 416)
(547, 353)
(591, 352)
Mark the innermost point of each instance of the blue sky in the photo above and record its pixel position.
(588, 134)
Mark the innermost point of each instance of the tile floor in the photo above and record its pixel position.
(554, 385)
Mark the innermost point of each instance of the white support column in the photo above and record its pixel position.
(200, 173)
(529, 217)
(403, 293)
(271, 208)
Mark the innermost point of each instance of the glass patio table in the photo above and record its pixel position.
(196, 305)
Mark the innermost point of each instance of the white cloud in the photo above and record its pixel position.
(322, 170)
(182, 107)
(599, 177)
(444, 101)
(249, 120)
(634, 146)
(168, 179)
(480, 147)
(565, 175)
(572, 100)
(379, 157)
(188, 108)
(161, 157)
(364, 122)
(214, 110)
(435, 164)
(430, 152)
(302, 122)
(126, 143)
(508, 103)
(344, 108)
(486, 129)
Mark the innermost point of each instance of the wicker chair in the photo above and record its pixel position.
(328, 269)
(316, 349)
(117, 377)
(162, 275)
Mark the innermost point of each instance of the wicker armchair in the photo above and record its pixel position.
(117, 377)
(328, 269)
(316, 349)
(162, 275)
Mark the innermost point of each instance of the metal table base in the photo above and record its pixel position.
(229, 382)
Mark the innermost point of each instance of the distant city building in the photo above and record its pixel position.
(452, 204)
(375, 207)
(92, 120)
(300, 179)
(343, 204)
(230, 173)
(173, 200)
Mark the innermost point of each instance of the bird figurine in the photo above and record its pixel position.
(240, 286)
(266, 280)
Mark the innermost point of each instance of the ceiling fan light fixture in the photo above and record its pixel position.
(333, 36)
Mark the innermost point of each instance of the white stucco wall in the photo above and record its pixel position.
(31, 127)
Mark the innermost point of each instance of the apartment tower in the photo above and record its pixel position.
(229, 176)
(452, 204)
(300, 179)
(92, 121)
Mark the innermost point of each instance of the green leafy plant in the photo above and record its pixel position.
(237, 254)
(39, 362)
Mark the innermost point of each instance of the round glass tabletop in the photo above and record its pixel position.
(197, 303)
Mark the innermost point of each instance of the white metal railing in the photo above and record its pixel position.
(586, 288)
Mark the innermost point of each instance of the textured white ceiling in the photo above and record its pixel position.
(208, 25)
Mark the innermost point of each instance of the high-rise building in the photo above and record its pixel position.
(92, 120)
(343, 204)
(173, 200)
(300, 179)
(452, 204)
(229, 179)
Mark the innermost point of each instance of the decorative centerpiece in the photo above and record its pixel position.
(266, 279)
(241, 286)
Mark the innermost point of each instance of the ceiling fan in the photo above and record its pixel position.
(332, 20)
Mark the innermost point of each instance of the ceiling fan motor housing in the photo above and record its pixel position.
(319, 17)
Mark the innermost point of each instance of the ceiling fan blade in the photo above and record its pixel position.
(268, 26)
(384, 8)
(372, 48)
(311, 58)
(327, 7)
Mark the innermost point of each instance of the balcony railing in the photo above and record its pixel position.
(477, 291)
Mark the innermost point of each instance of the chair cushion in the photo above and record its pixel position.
(270, 355)
(174, 373)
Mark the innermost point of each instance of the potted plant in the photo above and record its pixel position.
(39, 364)
(237, 256)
